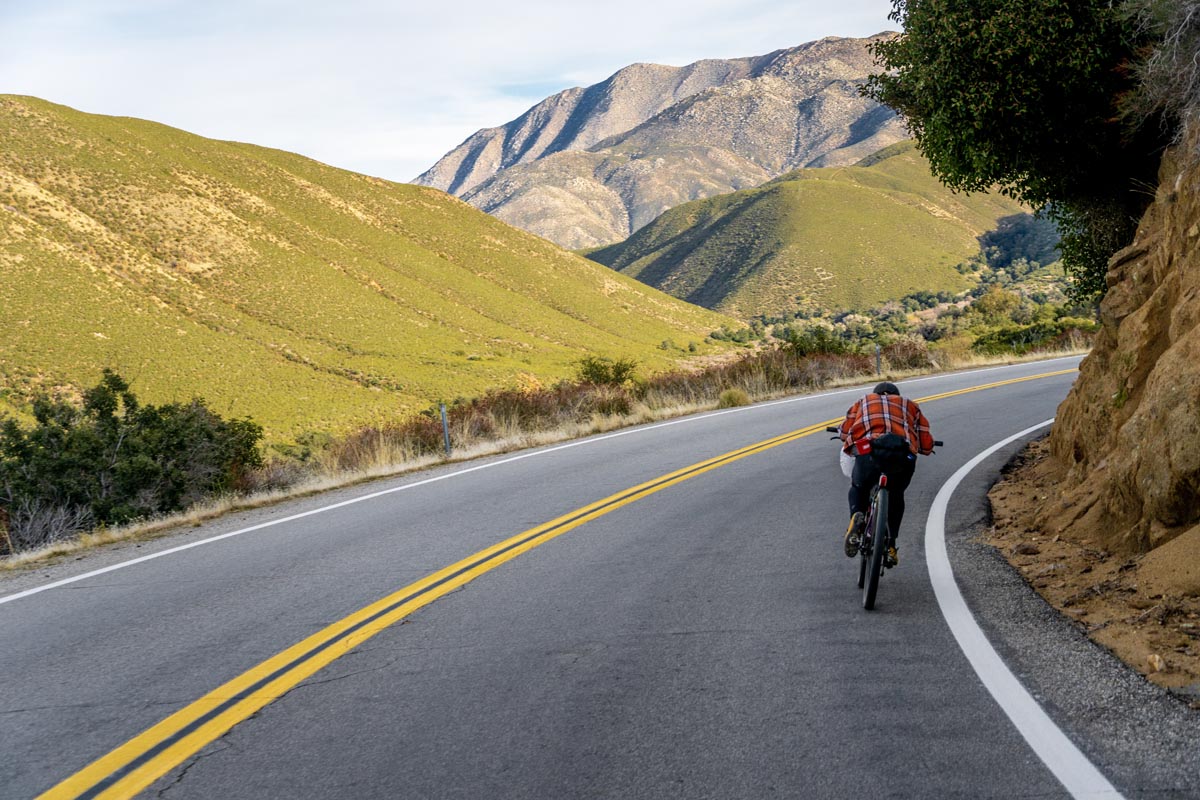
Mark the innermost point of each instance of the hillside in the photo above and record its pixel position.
(305, 296)
(848, 237)
(588, 167)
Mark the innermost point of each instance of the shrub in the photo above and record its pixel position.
(909, 352)
(1039, 335)
(1169, 76)
(610, 401)
(601, 371)
(815, 340)
(731, 398)
(113, 460)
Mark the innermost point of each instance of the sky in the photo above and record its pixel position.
(383, 88)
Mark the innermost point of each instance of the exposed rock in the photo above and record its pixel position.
(1128, 435)
(1123, 458)
(1137, 607)
(589, 166)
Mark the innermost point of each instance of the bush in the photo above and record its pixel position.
(815, 341)
(601, 371)
(731, 398)
(1169, 76)
(113, 460)
(909, 352)
(1039, 335)
(610, 401)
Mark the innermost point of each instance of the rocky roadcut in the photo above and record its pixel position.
(1144, 608)
(1105, 520)
(1126, 436)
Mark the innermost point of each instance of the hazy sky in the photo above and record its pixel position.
(384, 88)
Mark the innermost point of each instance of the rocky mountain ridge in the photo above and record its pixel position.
(588, 167)
(580, 117)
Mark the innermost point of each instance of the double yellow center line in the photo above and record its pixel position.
(148, 756)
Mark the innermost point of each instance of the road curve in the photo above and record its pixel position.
(704, 639)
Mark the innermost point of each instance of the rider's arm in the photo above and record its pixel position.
(921, 425)
(852, 415)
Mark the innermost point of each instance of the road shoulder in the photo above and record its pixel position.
(1141, 736)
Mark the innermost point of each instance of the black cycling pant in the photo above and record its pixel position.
(866, 475)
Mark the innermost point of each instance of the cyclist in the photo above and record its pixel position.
(884, 432)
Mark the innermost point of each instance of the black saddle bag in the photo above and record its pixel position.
(890, 451)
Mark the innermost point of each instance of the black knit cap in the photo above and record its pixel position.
(886, 388)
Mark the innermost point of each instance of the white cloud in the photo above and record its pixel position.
(380, 87)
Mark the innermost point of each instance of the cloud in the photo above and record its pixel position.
(380, 87)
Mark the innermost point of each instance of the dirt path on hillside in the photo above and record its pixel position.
(1145, 609)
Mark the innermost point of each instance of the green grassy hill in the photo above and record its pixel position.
(848, 237)
(307, 297)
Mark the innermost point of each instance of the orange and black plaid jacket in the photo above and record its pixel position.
(877, 414)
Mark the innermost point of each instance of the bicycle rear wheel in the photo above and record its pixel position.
(864, 546)
(879, 515)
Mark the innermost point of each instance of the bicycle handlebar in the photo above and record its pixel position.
(831, 429)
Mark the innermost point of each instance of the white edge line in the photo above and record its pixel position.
(1071, 767)
(530, 454)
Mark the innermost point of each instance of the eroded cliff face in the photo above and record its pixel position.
(1127, 439)
(1107, 526)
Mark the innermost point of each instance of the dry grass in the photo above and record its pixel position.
(491, 426)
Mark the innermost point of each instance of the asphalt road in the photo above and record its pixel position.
(703, 640)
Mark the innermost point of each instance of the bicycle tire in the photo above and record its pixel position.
(879, 510)
(864, 544)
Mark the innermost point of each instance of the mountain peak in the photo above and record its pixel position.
(589, 166)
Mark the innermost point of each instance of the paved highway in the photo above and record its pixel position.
(700, 636)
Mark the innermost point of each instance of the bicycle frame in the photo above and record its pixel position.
(876, 539)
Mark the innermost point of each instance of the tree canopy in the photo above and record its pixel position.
(1024, 96)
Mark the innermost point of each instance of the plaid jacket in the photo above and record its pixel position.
(877, 414)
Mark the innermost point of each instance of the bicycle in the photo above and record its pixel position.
(873, 559)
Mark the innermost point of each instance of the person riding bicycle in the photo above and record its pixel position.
(884, 432)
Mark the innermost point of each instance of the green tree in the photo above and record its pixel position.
(112, 460)
(1023, 95)
(601, 371)
(996, 305)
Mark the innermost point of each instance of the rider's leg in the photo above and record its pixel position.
(861, 481)
(865, 475)
(898, 479)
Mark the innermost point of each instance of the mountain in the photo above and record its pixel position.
(589, 166)
(845, 237)
(308, 297)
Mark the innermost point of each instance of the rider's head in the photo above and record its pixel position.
(886, 388)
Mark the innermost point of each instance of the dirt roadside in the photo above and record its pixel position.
(1145, 608)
